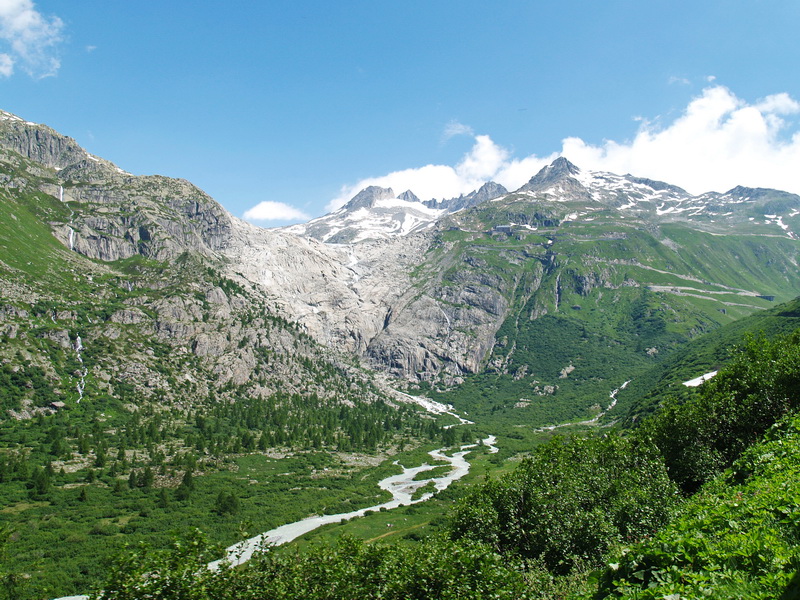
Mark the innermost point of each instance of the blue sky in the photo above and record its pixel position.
(292, 104)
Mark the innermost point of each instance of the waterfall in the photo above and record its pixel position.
(71, 238)
(81, 385)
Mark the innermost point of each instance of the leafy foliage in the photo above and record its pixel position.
(729, 413)
(433, 569)
(737, 538)
(569, 502)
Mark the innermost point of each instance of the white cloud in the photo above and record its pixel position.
(6, 65)
(275, 211)
(780, 104)
(454, 128)
(678, 80)
(718, 142)
(30, 37)
(484, 162)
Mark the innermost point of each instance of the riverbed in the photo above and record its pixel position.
(402, 487)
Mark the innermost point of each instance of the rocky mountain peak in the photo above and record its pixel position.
(489, 191)
(556, 172)
(42, 144)
(112, 214)
(409, 196)
(367, 197)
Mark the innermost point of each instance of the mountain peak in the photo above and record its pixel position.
(557, 171)
(409, 196)
(367, 197)
(562, 164)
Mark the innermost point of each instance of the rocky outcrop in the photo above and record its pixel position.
(367, 197)
(114, 214)
(488, 191)
(38, 143)
(151, 216)
(365, 299)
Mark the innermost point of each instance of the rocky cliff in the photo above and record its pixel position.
(422, 291)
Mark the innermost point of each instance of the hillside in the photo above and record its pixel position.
(132, 364)
(582, 517)
(703, 355)
(165, 365)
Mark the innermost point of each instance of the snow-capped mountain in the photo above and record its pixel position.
(377, 213)
(374, 213)
(766, 211)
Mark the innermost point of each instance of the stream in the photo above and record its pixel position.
(401, 486)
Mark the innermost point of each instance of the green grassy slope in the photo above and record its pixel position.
(704, 354)
(592, 302)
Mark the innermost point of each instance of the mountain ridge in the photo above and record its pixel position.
(426, 298)
(364, 217)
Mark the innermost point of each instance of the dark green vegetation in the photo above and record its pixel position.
(590, 303)
(577, 504)
(736, 538)
(432, 569)
(566, 504)
(702, 355)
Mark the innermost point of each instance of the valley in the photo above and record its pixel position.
(167, 367)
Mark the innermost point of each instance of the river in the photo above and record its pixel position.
(401, 486)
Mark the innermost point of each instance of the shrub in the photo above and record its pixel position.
(570, 501)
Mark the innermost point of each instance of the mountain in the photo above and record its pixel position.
(376, 213)
(429, 291)
(134, 358)
(746, 210)
(119, 286)
(593, 264)
(582, 247)
(148, 335)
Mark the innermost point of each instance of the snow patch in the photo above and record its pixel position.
(700, 380)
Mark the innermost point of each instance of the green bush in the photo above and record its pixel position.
(736, 538)
(730, 412)
(570, 501)
(434, 569)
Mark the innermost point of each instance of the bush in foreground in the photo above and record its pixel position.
(433, 569)
(569, 502)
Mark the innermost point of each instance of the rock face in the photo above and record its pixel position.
(367, 197)
(418, 289)
(342, 296)
(156, 217)
(39, 143)
(364, 299)
(116, 215)
(488, 191)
